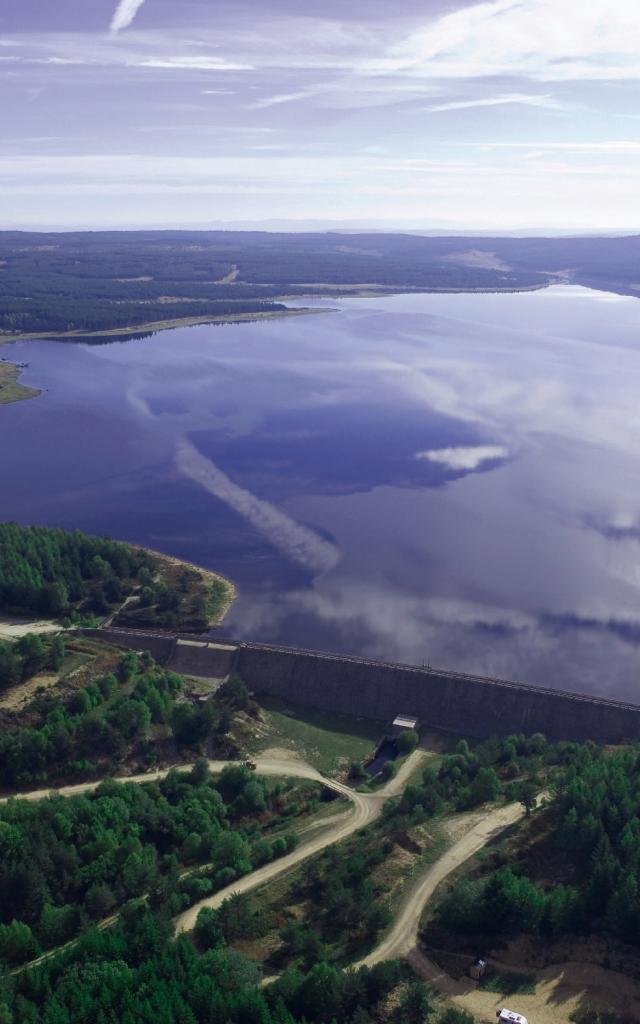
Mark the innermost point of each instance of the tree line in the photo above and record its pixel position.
(66, 862)
(113, 717)
(595, 838)
(509, 767)
(74, 576)
(27, 656)
(136, 973)
(46, 571)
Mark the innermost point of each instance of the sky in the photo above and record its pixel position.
(506, 115)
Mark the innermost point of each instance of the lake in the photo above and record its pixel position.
(447, 479)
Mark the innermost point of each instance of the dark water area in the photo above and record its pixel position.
(441, 479)
(387, 751)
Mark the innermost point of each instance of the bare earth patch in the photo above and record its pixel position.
(561, 992)
(482, 258)
(22, 694)
(14, 628)
(279, 754)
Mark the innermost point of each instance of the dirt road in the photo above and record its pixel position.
(560, 990)
(403, 935)
(296, 769)
(265, 766)
(366, 808)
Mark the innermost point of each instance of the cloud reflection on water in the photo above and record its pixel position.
(294, 540)
(297, 474)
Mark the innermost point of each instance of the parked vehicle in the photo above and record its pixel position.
(252, 766)
(510, 1017)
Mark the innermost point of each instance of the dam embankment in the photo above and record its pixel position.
(471, 705)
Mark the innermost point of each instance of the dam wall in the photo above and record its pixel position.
(190, 655)
(203, 658)
(160, 645)
(471, 705)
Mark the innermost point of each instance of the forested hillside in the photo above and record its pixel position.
(49, 572)
(27, 656)
(97, 281)
(65, 862)
(575, 870)
(136, 974)
(73, 576)
(136, 713)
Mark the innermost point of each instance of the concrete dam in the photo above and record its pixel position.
(471, 705)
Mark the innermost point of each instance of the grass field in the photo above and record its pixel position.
(328, 742)
(10, 390)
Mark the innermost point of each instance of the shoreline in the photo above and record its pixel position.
(378, 291)
(208, 575)
(11, 390)
(330, 291)
(163, 325)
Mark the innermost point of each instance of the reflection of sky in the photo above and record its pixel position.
(513, 551)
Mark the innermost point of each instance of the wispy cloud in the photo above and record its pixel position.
(539, 39)
(522, 98)
(188, 63)
(465, 458)
(124, 14)
(332, 85)
(274, 101)
(619, 146)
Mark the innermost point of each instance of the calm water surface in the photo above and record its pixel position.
(449, 479)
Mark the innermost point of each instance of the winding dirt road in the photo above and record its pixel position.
(366, 808)
(280, 766)
(561, 990)
(403, 936)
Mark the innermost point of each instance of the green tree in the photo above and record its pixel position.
(485, 786)
(54, 600)
(17, 943)
(407, 741)
(56, 652)
(527, 795)
(455, 1016)
(99, 900)
(234, 692)
(416, 1006)
(33, 652)
(208, 932)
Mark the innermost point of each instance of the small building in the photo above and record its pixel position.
(403, 723)
(509, 1017)
(478, 969)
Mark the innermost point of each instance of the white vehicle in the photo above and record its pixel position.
(509, 1017)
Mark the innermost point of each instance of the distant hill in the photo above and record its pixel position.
(92, 281)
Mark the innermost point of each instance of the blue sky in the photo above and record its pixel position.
(506, 115)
